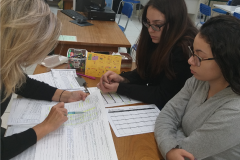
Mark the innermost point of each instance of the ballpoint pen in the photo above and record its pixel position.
(86, 76)
(76, 112)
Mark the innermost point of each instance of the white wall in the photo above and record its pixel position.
(143, 2)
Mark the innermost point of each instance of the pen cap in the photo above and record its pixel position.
(77, 59)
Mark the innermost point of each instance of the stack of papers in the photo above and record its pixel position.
(83, 136)
(60, 78)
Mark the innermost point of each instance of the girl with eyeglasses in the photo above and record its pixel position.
(29, 30)
(161, 56)
(202, 121)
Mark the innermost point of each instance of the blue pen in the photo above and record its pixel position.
(76, 112)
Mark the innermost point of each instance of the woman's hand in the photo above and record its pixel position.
(111, 77)
(179, 154)
(77, 96)
(56, 117)
(105, 87)
(66, 96)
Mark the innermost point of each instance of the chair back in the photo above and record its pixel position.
(237, 15)
(205, 9)
(127, 9)
(229, 2)
(131, 1)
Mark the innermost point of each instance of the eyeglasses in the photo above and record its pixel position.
(196, 58)
(154, 27)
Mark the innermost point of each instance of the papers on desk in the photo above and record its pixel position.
(113, 99)
(26, 111)
(83, 136)
(132, 120)
(67, 38)
(60, 78)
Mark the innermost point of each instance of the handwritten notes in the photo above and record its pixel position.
(98, 64)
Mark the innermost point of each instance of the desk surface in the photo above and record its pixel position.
(137, 147)
(101, 33)
(226, 8)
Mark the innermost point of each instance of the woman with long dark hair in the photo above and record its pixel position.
(161, 57)
(202, 120)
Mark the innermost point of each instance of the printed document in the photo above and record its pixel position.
(27, 111)
(59, 78)
(83, 136)
(113, 99)
(132, 120)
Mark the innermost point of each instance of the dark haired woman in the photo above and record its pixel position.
(162, 53)
(203, 118)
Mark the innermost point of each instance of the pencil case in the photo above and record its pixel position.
(77, 59)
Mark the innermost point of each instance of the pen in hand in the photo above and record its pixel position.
(76, 112)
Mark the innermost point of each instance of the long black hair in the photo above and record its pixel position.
(179, 30)
(223, 35)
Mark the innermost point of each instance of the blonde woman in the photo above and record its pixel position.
(29, 31)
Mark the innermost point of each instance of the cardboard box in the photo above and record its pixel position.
(126, 60)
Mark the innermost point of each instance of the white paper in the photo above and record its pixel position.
(132, 120)
(44, 77)
(83, 136)
(60, 78)
(63, 72)
(65, 79)
(113, 99)
(27, 111)
(28, 154)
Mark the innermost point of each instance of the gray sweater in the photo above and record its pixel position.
(210, 129)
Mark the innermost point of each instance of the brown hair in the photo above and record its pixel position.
(178, 30)
(29, 31)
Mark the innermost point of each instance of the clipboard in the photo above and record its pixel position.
(81, 81)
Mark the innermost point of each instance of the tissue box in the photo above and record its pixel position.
(77, 58)
(126, 60)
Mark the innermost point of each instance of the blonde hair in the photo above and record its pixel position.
(29, 31)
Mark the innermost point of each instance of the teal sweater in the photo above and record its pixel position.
(210, 129)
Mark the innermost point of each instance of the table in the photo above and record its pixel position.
(137, 147)
(227, 8)
(101, 36)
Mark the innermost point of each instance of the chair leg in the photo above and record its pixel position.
(118, 7)
(139, 9)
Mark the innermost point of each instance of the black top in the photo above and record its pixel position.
(17, 143)
(158, 90)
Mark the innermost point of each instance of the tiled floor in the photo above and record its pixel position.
(132, 32)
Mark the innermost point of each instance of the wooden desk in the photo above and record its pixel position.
(137, 147)
(101, 36)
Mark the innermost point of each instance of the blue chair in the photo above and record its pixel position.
(205, 10)
(134, 48)
(133, 3)
(218, 10)
(237, 15)
(126, 10)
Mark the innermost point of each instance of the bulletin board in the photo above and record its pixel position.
(98, 64)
